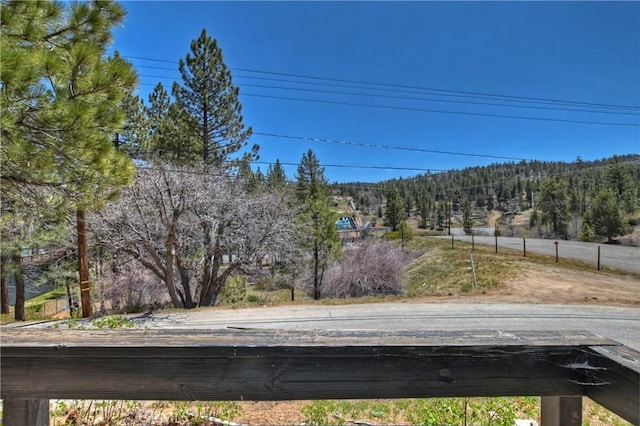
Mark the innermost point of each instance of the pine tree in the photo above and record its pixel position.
(317, 219)
(311, 182)
(604, 216)
(394, 213)
(134, 136)
(210, 102)
(276, 177)
(467, 217)
(552, 204)
(59, 135)
(166, 135)
(406, 233)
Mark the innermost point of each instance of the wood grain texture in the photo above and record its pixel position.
(21, 412)
(561, 411)
(250, 364)
(266, 338)
(617, 381)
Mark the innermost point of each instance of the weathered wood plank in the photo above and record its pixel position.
(613, 380)
(266, 338)
(561, 411)
(21, 412)
(236, 364)
(277, 365)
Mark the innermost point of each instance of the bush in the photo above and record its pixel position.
(372, 269)
(235, 291)
(130, 289)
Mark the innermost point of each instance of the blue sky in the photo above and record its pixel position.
(584, 52)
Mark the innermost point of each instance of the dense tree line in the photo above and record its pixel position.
(566, 196)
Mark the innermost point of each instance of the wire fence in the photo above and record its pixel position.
(622, 258)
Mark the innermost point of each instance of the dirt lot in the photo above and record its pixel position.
(548, 284)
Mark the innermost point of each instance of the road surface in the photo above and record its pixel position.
(617, 323)
(611, 256)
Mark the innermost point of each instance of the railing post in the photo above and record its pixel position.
(20, 412)
(561, 411)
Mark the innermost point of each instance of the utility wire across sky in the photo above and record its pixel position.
(521, 98)
(495, 100)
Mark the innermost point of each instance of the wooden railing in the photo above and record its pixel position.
(252, 364)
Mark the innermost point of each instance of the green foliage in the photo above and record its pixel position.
(394, 211)
(111, 322)
(118, 412)
(319, 235)
(59, 135)
(311, 182)
(433, 411)
(406, 233)
(467, 217)
(235, 291)
(553, 205)
(60, 106)
(518, 186)
(209, 102)
(276, 177)
(604, 217)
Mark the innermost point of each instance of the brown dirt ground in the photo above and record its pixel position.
(553, 285)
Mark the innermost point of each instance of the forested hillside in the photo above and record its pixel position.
(585, 200)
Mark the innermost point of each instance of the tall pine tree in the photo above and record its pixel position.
(316, 218)
(210, 102)
(61, 107)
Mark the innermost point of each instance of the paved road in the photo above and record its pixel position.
(616, 257)
(617, 323)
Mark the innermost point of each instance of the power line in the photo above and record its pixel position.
(479, 114)
(436, 100)
(559, 120)
(383, 146)
(523, 98)
(352, 166)
(398, 91)
(444, 90)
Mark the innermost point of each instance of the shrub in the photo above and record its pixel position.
(235, 291)
(129, 289)
(371, 269)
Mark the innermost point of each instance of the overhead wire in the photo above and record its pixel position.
(478, 114)
(438, 111)
(383, 146)
(493, 95)
(413, 91)
(401, 91)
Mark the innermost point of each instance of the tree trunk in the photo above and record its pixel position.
(168, 271)
(83, 264)
(210, 282)
(316, 265)
(19, 279)
(70, 299)
(4, 286)
(184, 279)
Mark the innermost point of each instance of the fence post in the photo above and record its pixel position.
(473, 244)
(561, 410)
(473, 270)
(452, 242)
(598, 258)
(556, 243)
(524, 247)
(20, 412)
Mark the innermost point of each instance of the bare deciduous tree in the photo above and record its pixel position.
(195, 228)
